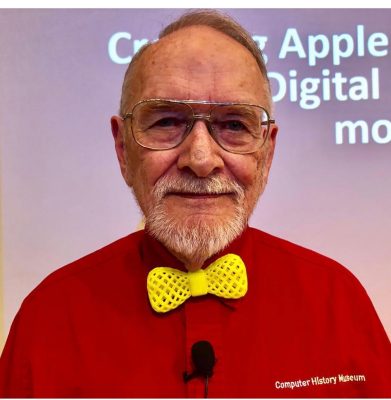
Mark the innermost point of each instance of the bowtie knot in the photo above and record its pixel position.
(168, 287)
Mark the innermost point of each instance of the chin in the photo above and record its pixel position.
(197, 236)
(204, 219)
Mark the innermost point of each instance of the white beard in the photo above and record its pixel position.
(194, 240)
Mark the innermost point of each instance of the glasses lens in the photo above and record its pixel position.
(159, 124)
(240, 128)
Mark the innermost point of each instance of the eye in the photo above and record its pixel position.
(167, 122)
(232, 126)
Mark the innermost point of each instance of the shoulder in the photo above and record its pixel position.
(99, 265)
(296, 276)
(292, 259)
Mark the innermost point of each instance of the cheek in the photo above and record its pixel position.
(147, 166)
(245, 168)
(248, 170)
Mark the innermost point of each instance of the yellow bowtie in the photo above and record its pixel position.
(168, 287)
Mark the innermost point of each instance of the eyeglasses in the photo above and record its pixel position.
(158, 124)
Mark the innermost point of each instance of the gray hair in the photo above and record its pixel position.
(211, 18)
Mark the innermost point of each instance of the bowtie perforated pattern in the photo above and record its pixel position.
(168, 287)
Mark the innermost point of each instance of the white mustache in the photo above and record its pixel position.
(189, 184)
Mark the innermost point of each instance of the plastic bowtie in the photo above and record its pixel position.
(168, 287)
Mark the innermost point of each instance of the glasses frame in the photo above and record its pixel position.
(206, 117)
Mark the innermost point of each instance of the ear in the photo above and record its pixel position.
(272, 144)
(118, 131)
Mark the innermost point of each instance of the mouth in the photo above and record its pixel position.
(199, 196)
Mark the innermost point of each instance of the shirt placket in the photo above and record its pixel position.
(204, 318)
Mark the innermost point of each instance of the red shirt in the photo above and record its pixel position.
(306, 328)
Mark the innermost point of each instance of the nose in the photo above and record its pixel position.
(200, 153)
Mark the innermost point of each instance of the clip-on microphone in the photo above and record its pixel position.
(203, 357)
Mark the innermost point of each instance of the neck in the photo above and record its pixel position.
(191, 264)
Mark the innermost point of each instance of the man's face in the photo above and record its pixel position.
(196, 63)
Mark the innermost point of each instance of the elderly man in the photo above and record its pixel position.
(198, 304)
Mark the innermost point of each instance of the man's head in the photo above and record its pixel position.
(197, 196)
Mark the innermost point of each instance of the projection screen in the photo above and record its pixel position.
(62, 194)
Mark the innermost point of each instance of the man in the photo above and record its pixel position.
(195, 141)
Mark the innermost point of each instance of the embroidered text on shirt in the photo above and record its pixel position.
(316, 380)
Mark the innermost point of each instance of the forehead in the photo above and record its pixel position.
(198, 63)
